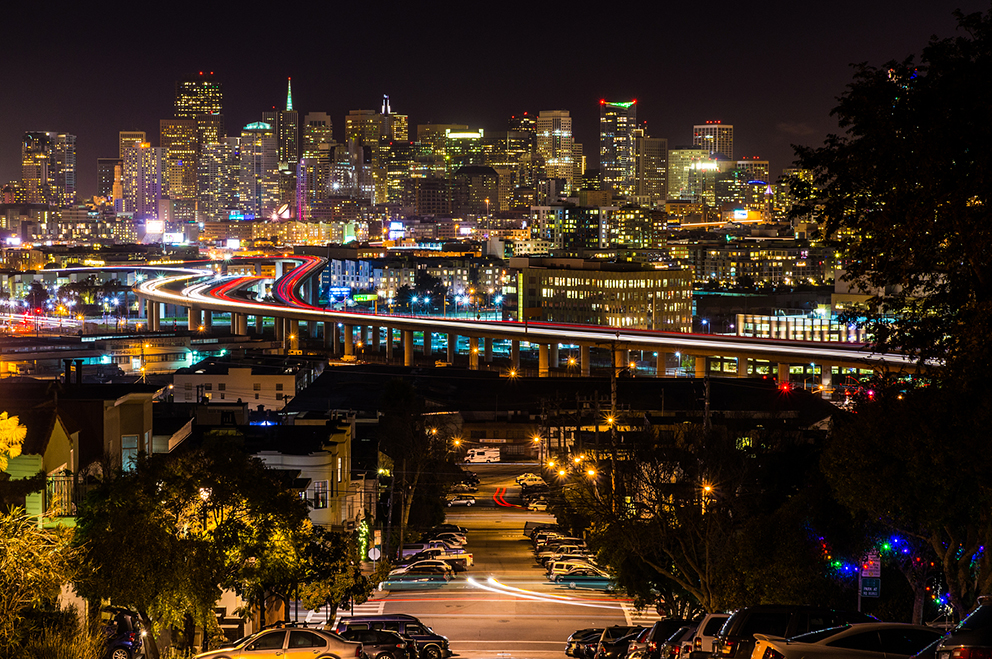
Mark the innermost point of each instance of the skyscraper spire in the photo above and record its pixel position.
(289, 94)
(385, 105)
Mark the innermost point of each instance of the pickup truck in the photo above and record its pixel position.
(417, 547)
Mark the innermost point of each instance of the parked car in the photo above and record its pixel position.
(617, 649)
(612, 634)
(585, 577)
(456, 539)
(123, 633)
(430, 645)
(878, 640)
(704, 637)
(464, 487)
(972, 638)
(276, 643)
(673, 646)
(538, 505)
(461, 500)
(449, 528)
(650, 642)
(574, 642)
(416, 580)
(551, 551)
(564, 565)
(424, 564)
(530, 479)
(736, 637)
(382, 644)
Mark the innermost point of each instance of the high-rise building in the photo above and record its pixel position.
(105, 175)
(650, 169)
(317, 130)
(554, 144)
(397, 126)
(48, 168)
(259, 172)
(757, 170)
(179, 141)
(286, 124)
(617, 121)
(126, 138)
(199, 94)
(715, 137)
(685, 164)
(143, 181)
(219, 179)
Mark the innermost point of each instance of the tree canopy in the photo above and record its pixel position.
(908, 186)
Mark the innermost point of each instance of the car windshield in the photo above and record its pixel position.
(819, 635)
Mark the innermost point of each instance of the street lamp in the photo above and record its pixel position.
(706, 325)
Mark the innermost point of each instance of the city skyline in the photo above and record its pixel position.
(773, 74)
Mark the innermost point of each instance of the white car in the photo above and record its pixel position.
(456, 539)
(530, 479)
(427, 562)
(539, 506)
(461, 500)
(869, 640)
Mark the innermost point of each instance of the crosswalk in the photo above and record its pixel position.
(645, 617)
(317, 617)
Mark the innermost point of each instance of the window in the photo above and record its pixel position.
(208, 387)
(320, 494)
(222, 386)
(303, 639)
(340, 462)
(279, 386)
(188, 386)
(278, 396)
(129, 451)
(866, 642)
(271, 641)
(257, 386)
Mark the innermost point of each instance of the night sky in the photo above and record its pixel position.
(772, 69)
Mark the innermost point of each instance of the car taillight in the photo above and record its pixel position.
(971, 653)
(652, 646)
(772, 653)
(697, 643)
(728, 647)
(358, 652)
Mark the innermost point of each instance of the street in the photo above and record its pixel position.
(522, 614)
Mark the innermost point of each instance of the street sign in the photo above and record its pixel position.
(871, 566)
(871, 587)
(374, 555)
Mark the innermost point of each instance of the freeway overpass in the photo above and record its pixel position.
(205, 292)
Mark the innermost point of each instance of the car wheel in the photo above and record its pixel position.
(470, 503)
(431, 652)
(384, 655)
(119, 653)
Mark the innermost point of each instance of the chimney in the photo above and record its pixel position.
(79, 371)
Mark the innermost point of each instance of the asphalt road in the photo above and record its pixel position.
(521, 615)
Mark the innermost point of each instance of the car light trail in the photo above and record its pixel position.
(502, 589)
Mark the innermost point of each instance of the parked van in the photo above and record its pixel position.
(482, 455)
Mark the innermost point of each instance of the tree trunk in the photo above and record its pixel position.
(150, 646)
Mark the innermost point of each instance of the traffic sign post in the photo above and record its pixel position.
(869, 578)
(871, 587)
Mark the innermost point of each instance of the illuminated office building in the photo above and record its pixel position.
(105, 175)
(317, 130)
(684, 163)
(143, 181)
(199, 94)
(757, 170)
(286, 125)
(715, 137)
(180, 143)
(48, 168)
(259, 171)
(219, 179)
(126, 138)
(555, 145)
(617, 121)
(650, 169)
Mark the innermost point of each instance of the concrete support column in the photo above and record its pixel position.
(826, 376)
(150, 308)
(335, 338)
(585, 360)
(235, 321)
(349, 340)
(208, 319)
(621, 357)
(194, 318)
(489, 350)
(515, 354)
(408, 347)
(553, 356)
(473, 353)
(741, 367)
(328, 333)
(293, 332)
(783, 373)
(428, 347)
(452, 347)
(311, 329)
(389, 344)
(661, 365)
(259, 324)
(243, 325)
(700, 366)
(375, 339)
(279, 327)
(543, 370)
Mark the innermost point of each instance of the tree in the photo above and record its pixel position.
(916, 462)
(12, 435)
(167, 537)
(34, 564)
(334, 576)
(910, 181)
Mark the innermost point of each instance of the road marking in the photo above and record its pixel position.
(645, 616)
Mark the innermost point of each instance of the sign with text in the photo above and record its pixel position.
(871, 587)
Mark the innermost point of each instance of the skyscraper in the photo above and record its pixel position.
(126, 138)
(286, 125)
(143, 181)
(105, 168)
(199, 94)
(617, 121)
(259, 173)
(650, 168)
(179, 141)
(554, 144)
(317, 130)
(684, 171)
(715, 137)
(48, 168)
(219, 179)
